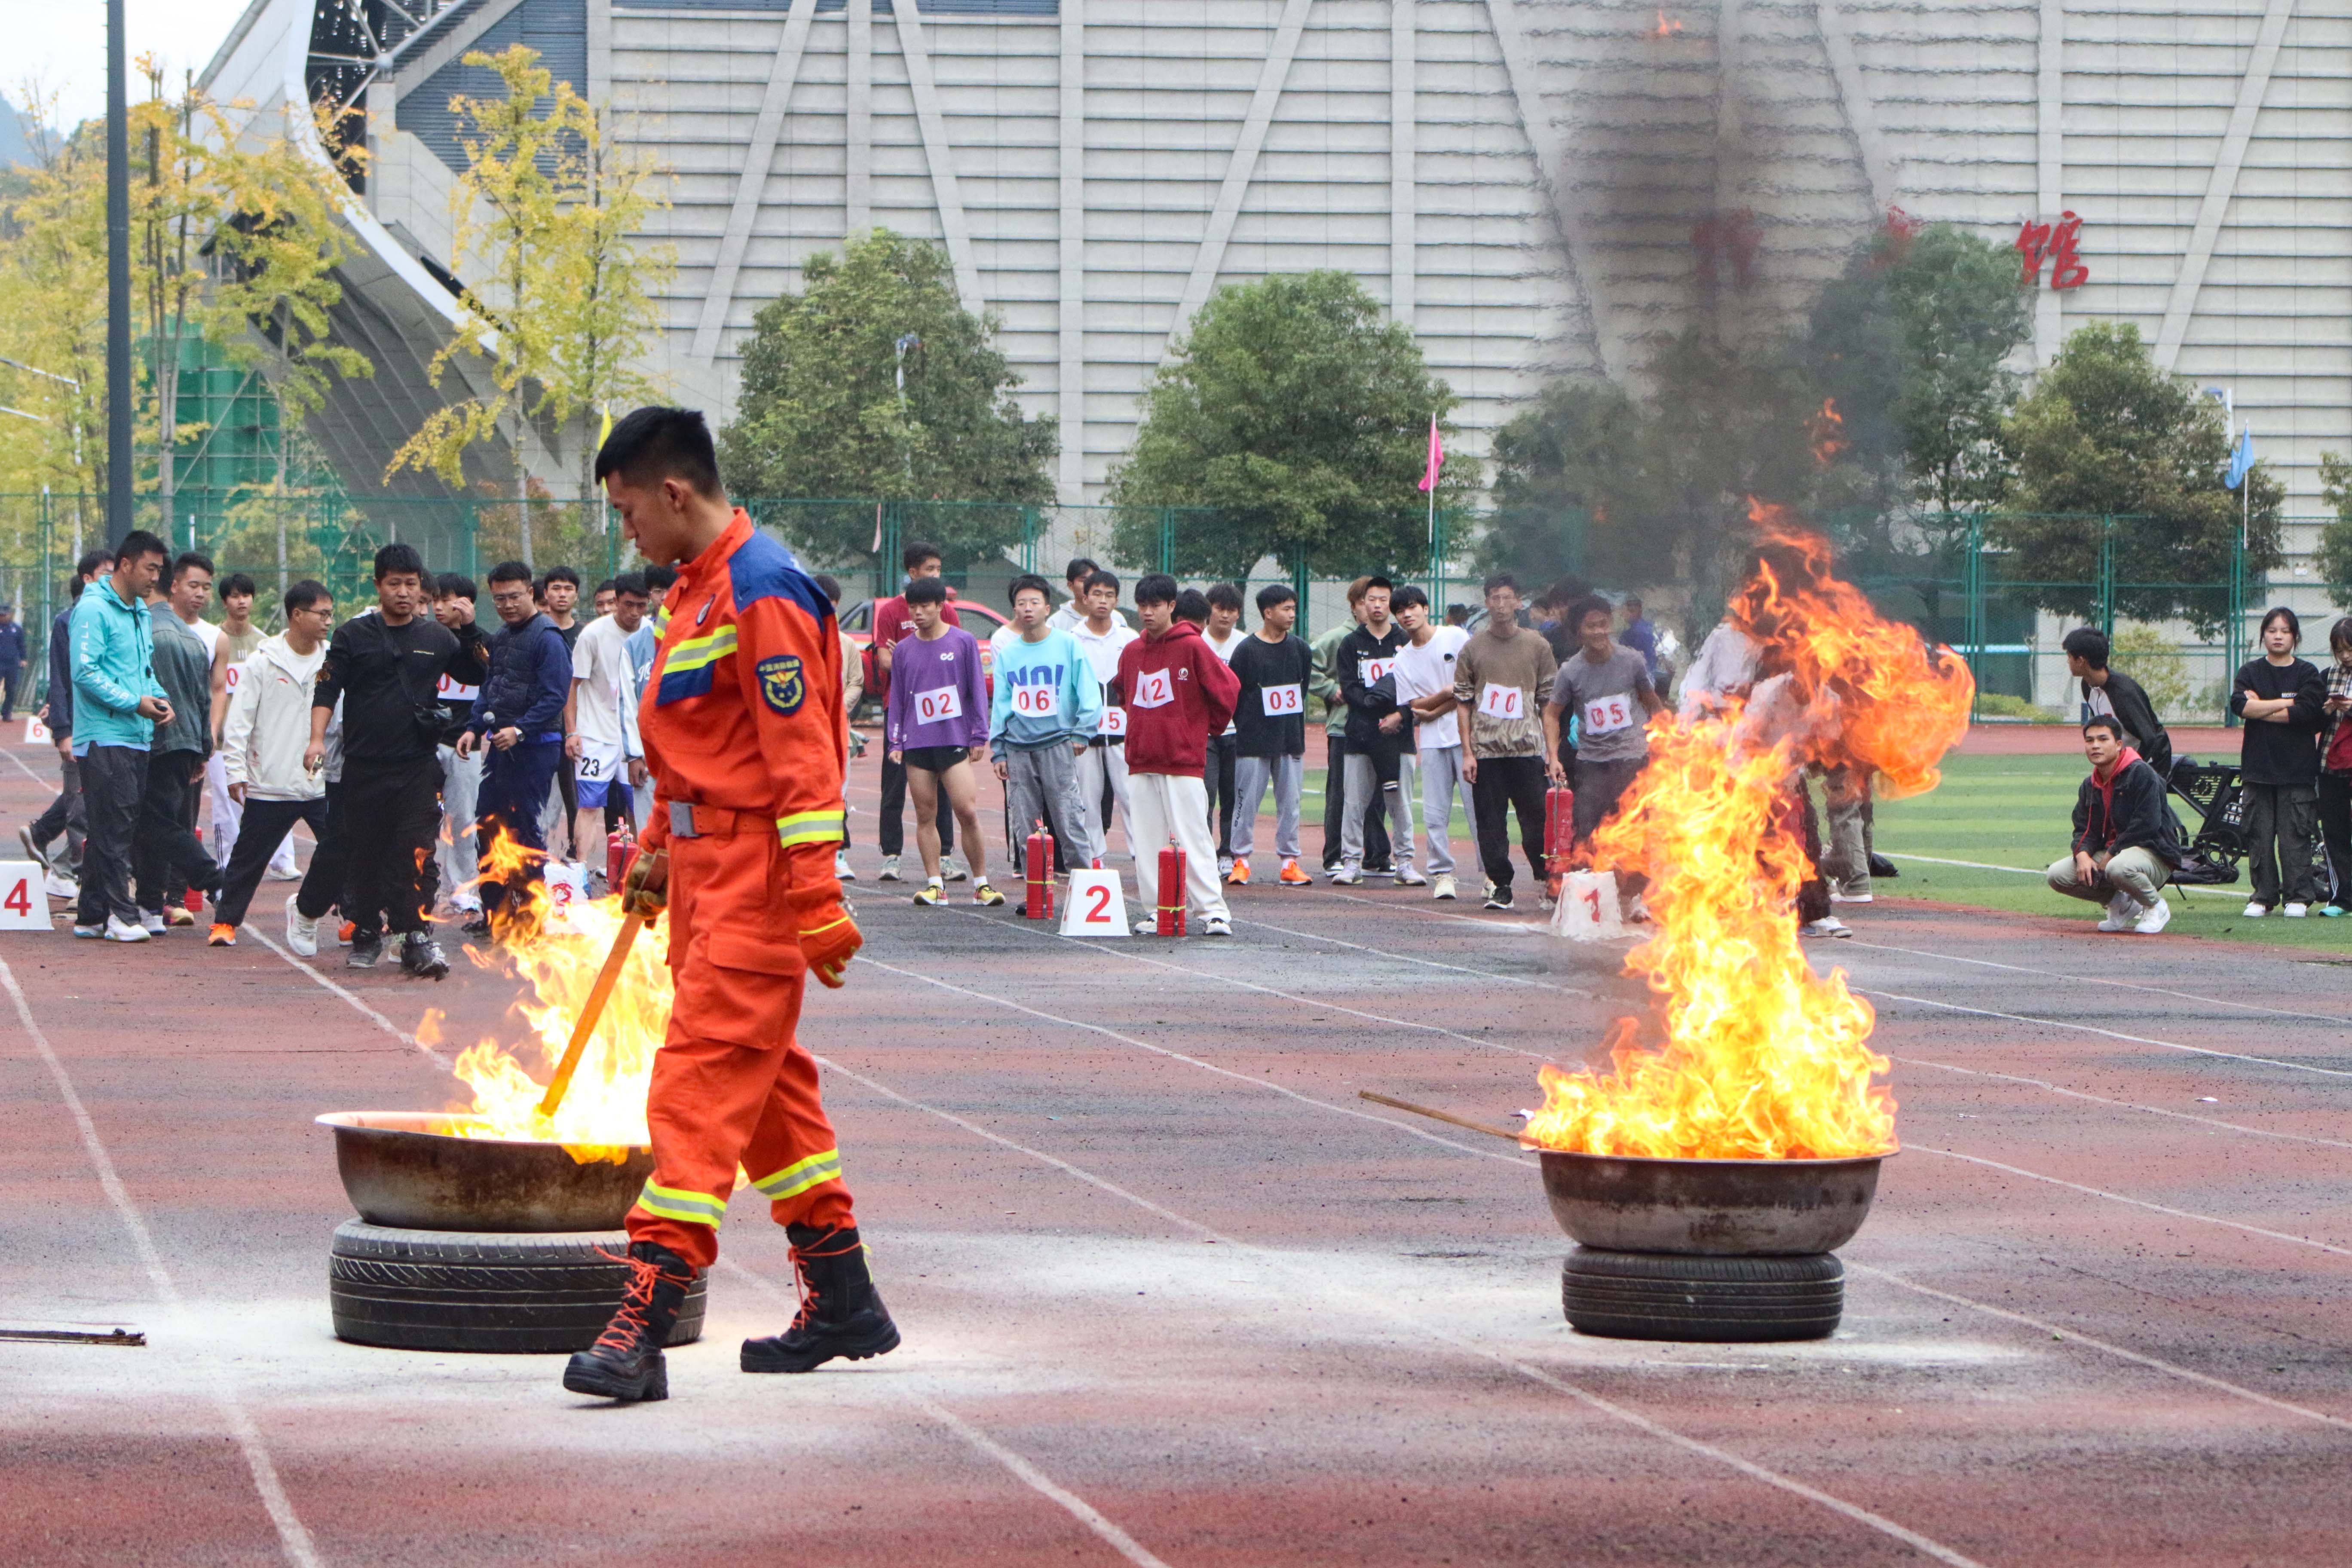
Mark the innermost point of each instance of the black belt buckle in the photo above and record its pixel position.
(681, 820)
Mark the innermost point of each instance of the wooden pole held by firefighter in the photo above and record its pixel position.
(590, 1011)
(1488, 1128)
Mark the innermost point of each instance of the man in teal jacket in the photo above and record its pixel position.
(117, 705)
(1047, 703)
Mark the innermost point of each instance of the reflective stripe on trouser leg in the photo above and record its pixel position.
(800, 1176)
(678, 1203)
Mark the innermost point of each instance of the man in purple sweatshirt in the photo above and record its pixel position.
(936, 725)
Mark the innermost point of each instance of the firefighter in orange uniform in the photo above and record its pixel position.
(744, 732)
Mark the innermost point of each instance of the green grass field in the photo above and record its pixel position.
(2017, 812)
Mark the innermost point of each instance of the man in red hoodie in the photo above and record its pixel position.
(1179, 693)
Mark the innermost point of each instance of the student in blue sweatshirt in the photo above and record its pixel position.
(1047, 704)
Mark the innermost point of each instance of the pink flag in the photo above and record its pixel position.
(1436, 457)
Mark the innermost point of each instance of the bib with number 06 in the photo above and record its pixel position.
(1153, 689)
(1503, 701)
(1282, 701)
(1037, 702)
(1604, 715)
(940, 702)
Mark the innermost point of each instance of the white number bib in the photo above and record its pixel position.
(449, 690)
(940, 702)
(1282, 701)
(1037, 702)
(1114, 722)
(236, 672)
(1503, 701)
(1153, 689)
(1605, 714)
(1373, 668)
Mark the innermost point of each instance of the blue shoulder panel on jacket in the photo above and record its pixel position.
(763, 569)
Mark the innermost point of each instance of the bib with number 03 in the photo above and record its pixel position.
(1503, 701)
(1113, 721)
(1037, 702)
(1604, 715)
(938, 703)
(1153, 689)
(1282, 701)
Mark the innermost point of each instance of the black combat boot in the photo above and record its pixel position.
(841, 1312)
(626, 1363)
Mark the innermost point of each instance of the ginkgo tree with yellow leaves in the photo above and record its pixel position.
(559, 302)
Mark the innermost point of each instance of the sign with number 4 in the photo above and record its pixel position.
(23, 901)
(1098, 905)
(1588, 908)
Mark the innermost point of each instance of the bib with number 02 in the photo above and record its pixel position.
(1373, 668)
(1037, 702)
(1113, 721)
(1604, 715)
(1503, 701)
(938, 703)
(1282, 701)
(1153, 689)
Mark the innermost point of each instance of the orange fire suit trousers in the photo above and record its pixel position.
(732, 1084)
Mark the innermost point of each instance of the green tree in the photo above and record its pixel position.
(823, 414)
(1570, 474)
(1303, 418)
(2105, 433)
(2333, 559)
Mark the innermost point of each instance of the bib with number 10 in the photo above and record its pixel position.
(940, 702)
(1503, 701)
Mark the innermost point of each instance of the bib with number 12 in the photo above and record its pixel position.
(1503, 701)
(1605, 714)
(1153, 689)
(940, 702)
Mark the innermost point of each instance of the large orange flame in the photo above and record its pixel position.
(1826, 432)
(1762, 1058)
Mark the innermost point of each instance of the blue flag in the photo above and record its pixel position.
(2241, 459)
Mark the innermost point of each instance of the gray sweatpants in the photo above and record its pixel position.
(461, 782)
(1041, 784)
(1363, 784)
(1441, 780)
(1250, 775)
(1850, 822)
(2134, 871)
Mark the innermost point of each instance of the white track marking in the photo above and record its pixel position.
(2101, 980)
(27, 772)
(2153, 1362)
(293, 1539)
(2110, 1034)
(2135, 1202)
(2123, 1104)
(1191, 1061)
(1029, 1475)
(378, 1019)
(1971, 865)
(1317, 1279)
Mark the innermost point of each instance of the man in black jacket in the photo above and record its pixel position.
(2127, 841)
(517, 725)
(386, 669)
(1378, 729)
(2112, 692)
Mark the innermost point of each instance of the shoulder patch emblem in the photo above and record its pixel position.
(781, 686)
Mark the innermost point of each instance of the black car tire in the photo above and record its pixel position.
(483, 1290)
(1668, 1296)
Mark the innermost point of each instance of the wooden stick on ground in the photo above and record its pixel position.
(1490, 1130)
(590, 1011)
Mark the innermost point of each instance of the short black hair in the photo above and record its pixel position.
(1377, 580)
(826, 584)
(633, 583)
(559, 574)
(305, 594)
(191, 558)
(1631, 601)
(1102, 577)
(609, 586)
(2105, 722)
(237, 582)
(1225, 597)
(1080, 569)
(1191, 605)
(393, 559)
(928, 591)
(454, 586)
(1501, 580)
(1565, 591)
(96, 561)
(660, 578)
(2339, 636)
(1155, 588)
(650, 444)
(919, 550)
(1274, 593)
(509, 572)
(1029, 580)
(1574, 616)
(138, 544)
(1408, 597)
(2088, 644)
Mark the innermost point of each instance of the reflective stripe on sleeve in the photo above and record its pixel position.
(676, 1203)
(813, 828)
(802, 1174)
(693, 653)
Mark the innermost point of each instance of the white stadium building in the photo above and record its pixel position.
(1535, 186)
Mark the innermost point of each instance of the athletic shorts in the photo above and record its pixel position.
(594, 773)
(599, 792)
(936, 759)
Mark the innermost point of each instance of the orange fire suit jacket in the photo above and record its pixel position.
(742, 713)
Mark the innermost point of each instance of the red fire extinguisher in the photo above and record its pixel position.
(1039, 904)
(1560, 832)
(195, 899)
(1171, 921)
(619, 850)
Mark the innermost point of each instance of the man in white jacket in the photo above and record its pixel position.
(262, 742)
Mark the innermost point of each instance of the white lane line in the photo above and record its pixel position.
(378, 1019)
(2102, 980)
(2156, 1363)
(1253, 1082)
(1029, 1475)
(28, 773)
(2134, 1203)
(1409, 958)
(2110, 1034)
(292, 1537)
(1971, 865)
(1318, 1280)
(1134, 957)
(2123, 1104)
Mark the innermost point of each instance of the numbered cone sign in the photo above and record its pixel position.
(567, 884)
(1038, 905)
(1588, 908)
(23, 905)
(1098, 905)
(38, 733)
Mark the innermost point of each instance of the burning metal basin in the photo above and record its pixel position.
(409, 1170)
(1720, 1208)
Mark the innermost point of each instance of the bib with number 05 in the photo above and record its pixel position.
(1153, 689)
(1113, 721)
(940, 702)
(1282, 701)
(1605, 714)
(1503, 701)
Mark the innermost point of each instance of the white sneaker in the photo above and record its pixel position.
(154, 925)
(116, 931)
(2123, 909)
(889, 867)
(89, 933)
(953, 870)
(2295, 911)
(1216, 925)
(1347, 877)
(841, 868)
(1409, 877)
(301, 935)
(2155, 919)
(466, 903)
(58, 887)
(2255, 911)
(1444, 886)
(1838, 897)
(1828, 925)
(1224, 865)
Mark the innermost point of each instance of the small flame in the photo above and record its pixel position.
(557, 954)
(1665, 29)
(1826, 431)
(1762, 1058)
